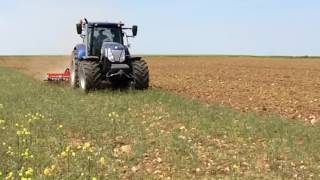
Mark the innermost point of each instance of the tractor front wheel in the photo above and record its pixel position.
(140, 74)
(89, 75)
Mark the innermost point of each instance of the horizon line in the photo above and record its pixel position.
(179, 55)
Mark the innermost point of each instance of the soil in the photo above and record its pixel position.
(284, 86)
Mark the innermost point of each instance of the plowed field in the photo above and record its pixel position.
(288, 87)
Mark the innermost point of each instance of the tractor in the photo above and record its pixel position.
(103, 58)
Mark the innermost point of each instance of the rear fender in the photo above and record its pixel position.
(135, 58)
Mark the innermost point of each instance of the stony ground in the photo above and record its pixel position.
(267, 85)
(289, 87)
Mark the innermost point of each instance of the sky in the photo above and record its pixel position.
(229, 27)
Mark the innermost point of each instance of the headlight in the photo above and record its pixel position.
(109, 54)
(123, 56)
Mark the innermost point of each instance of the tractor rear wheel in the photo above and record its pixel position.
(140, 74)
(74, 77)
(89, 75)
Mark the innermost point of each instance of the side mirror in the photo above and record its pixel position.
(134, 30)
(79, 28)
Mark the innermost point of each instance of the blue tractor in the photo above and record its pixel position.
(103, 58)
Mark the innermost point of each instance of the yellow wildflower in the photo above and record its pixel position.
(24, 178)
(24, 131)
(10, 152)
(86, 146)
(47, 172)
(29, 172)
(113, 114)
(91, 149)
(10, 175)
(64, 154)
(68, 148)
(25, 154)
(94, 178)
(102, 161)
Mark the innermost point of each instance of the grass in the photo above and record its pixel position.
(53, 132)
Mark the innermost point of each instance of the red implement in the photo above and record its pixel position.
(59, 76)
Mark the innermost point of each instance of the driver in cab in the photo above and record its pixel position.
(98, 41)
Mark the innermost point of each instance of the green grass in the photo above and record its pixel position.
(53, 132)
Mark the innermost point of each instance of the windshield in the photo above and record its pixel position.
(103, 34)
(107, 34)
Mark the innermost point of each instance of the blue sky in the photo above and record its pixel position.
(254, 27)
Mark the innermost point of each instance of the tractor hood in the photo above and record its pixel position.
(114, 52)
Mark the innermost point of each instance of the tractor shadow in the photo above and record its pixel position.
(122, 87)
(125, 88)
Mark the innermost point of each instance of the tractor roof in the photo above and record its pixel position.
(105, 24)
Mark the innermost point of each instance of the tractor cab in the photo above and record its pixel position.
(95, 34)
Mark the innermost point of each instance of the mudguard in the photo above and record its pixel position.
(134, 58)
(80, 50)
